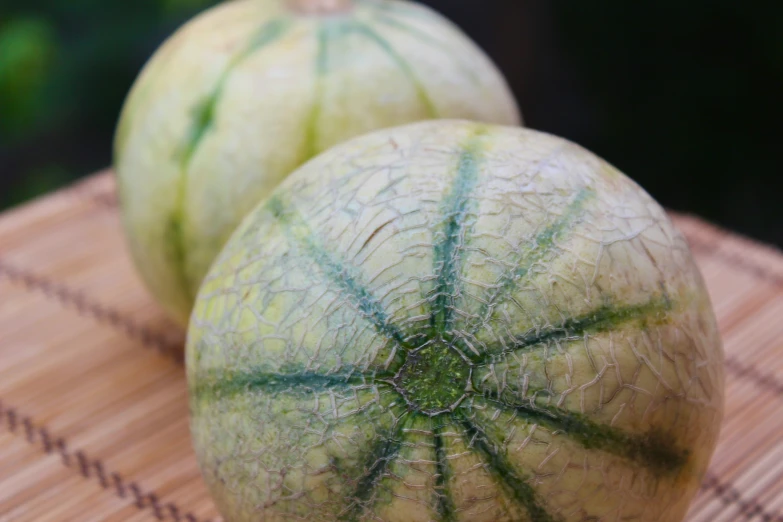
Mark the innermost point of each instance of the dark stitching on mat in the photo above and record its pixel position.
(765, 380)
(735, 261)
(728, 494)
(105, 199)
(84, 306)
(90, 468)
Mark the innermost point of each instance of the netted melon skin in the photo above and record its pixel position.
(457, 322)
(248, 91)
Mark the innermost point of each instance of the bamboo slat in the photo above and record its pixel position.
(93, 409)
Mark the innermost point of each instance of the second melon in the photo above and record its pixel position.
(248, 91)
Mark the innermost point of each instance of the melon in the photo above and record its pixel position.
(455, 321)
(251, 89)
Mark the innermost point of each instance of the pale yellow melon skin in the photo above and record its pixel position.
(312, 81)
(374, 207)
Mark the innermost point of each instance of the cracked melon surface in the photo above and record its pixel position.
(451, 321)
(245, 93)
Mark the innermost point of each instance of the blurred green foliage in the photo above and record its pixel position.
(28, 48)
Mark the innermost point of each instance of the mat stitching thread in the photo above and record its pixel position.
(90, 468)
(728, 494)
(84, 306)
(752, 373)
(105, 199)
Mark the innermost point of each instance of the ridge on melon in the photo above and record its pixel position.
(455, 321)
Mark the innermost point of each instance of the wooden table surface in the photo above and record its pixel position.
(93, 407)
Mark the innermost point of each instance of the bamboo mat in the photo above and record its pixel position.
(93, 407)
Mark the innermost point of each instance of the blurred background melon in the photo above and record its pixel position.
(243, 94)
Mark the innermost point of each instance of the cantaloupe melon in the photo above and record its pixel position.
(251, 89)
(457, 322)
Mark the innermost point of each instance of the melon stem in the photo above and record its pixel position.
(320, 7)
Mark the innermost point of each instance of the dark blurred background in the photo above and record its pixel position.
(683, 96)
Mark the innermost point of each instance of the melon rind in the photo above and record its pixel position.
(458, 322)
